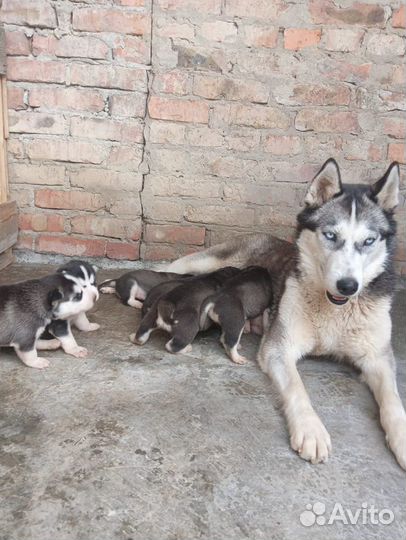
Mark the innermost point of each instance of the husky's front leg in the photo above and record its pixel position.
(379, 373)
(82, 323)
(61, 330)
(281, 348)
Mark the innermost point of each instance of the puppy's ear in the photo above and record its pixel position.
(386, 190)
(325, 185)
(54, 297)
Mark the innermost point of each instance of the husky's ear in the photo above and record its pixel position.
(324, 185)
(386, 190)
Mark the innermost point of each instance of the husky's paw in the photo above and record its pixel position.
(237, 358)
(105, 289)
(311, 440)
(397, 441)
(38, 363)
(141, 340)
(133, 302)
(77, 352)
(92, 327)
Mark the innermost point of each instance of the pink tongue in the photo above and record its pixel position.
(339, 298)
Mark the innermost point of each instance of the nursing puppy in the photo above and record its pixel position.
(160, 290)
(83, 275)
(26, 308)
(133, 287)
(179, 311)
(243, 297)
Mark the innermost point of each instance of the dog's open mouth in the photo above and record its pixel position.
(337, 300)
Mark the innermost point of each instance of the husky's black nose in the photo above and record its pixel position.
(347, 286)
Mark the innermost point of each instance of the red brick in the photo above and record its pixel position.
(299, 38)
(260, 36)
(129, 229)
(230, 89)
(397, 152)
(395, 127)
(399, 18)
(314, 94)
(43, 44)
(325, 11)
(25, 241)
(107, 129)
(41, 222)
(172, 82)
(21, 69)
(109, 77)
(68, 200)
(39, 14)
(202, 6)
(72, 150)
(171, 234)
(35, 122)
(70, 46)
(179, 110)
(282, 145)
(128, 105)
(345, 71)
(131, 49)
(77, 99)
(123, 251)
(130, 3)
(159, 252)
(111, 20)
(17, 43)
(71, 246)
(15, 98)
(322, 121)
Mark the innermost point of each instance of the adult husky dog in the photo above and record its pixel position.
(332, 290)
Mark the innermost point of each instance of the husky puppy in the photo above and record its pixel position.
(178, 311)
(133, 287)
(243, 297)
(26, 308)
(160, 290)
(83, 275)
(332, 296)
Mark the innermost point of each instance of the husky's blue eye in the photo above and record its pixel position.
(369, 241)
(330, 236)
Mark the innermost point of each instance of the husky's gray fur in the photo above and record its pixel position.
(332, 296)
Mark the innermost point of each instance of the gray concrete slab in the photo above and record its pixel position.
(134, 443)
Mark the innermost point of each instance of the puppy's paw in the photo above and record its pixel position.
(77, 352)
(396, 440)
(239, 359)
(310, 439)
(38, 363)
(105, 289)
(133, 302)
(174, 349)
(137, 341)
(92, 327)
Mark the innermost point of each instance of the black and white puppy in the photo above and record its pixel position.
(133, 287)
(242, 298)
(26, 308)
(83, 276)
(178, 311)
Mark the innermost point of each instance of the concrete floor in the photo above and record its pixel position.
(134, 443)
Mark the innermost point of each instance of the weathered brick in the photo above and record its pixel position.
(399, 18)
(25, 241)
(72, 150)
(41, 222)
(173, 30)
(127, 158)
(256, 116)
(131, 49)
(160, 252)
(179, 110)
(392, 101)
(155, 208)
(15, 98)
(76, 99)
(230, 89)
(395, 127)
(204, 136)
(71, 246)
(111, 20)
(121, 206)
(276, 194)
(22, 69)
(23, 197)
(35, 122)
(348, 72)
(260, 36)
(166, 133)
(172, 82)
(109, 77)
(17, 43)
(96, 179)
(123, 251)
(129, 229)
(397, 152)
(31, 173)
(128, 105)
(325, 11)
(282, 145)
(335, 122)
(363, 150)
(107, 129)
(201, 6)
(385, 45)
(313, 94)
(68, 200)
(171, 234)
(218, 31)
(299, 38)
(221, 214)
(342, 39)
(26, 12)
(259, 9)
(186, 186)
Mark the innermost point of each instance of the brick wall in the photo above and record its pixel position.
(246, 98)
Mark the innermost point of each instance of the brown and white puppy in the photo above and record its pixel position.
(242, 298)
(179, 310)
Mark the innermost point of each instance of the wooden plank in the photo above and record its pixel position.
(8, 233)
(6, 258)
(3, 153)
(5, 106)
(2, 50)
(7, 210)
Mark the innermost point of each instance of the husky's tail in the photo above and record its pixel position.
(108, 286)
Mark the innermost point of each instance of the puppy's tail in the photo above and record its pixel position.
(108, 286)
(206, 313)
